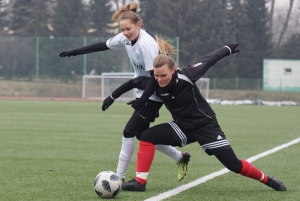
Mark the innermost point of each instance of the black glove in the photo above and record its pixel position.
(107, 102)
(232, 48)
(68, 53)
(138, 104)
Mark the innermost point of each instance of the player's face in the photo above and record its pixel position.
(163, 75)
(129, 29)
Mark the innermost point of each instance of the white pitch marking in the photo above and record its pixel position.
(201, 180)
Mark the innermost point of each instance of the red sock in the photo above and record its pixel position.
(144, 160)
(250, 171)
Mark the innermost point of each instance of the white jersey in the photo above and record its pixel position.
(141, 55)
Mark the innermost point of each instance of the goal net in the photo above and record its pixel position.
(203, 85)
(101, 86)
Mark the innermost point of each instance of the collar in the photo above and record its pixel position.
(133, 42)
(171, 86)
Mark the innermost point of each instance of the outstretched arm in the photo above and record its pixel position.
(149, 90)
(200, 66)
(194, 72)
(101, 46)
(139, 82)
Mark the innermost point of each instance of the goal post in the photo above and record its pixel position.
(203, 85)
(101, 86)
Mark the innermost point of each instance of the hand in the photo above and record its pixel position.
(137, 104)
(232, 48)
(68, 53)
(107, 102)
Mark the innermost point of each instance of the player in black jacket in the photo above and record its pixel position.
(194, 119)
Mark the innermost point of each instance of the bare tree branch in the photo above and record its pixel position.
(285, 24)
(271, 15)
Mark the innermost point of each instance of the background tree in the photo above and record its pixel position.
(100, 18)
(103, 27)
(3, 18)
(271, 14)
(285, 23)
(29, 18)
(200, 25)
(215, 30)
(70, 18)
(26, 19)
(253, 36)
(291, 48)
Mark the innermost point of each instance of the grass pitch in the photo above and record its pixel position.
(53, 150)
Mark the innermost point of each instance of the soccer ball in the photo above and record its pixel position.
(107, 184)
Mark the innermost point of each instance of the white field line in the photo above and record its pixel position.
(201, 180)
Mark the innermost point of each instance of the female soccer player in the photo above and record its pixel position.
(194, 119)
(141, 49)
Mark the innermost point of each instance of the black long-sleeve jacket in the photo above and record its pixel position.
(182, 97)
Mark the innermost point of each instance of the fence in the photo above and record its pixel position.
(31, 67)
(224, 89)
(37, 57)
(31, 58)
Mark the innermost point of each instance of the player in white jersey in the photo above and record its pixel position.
(141, 54)
(141, 49)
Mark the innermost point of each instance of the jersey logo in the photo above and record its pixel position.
(137, 66)
(219, 137)
(128, 43)
(142, 116)
(137, 56)
(166, 94)
(197, 64)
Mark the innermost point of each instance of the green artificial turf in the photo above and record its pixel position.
(51, 150)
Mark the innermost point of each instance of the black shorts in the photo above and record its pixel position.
(149, 112)
(140, 119)
(210, 136)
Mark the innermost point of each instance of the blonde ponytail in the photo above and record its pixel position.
(166, 53)
(127, 12)
(164, 46)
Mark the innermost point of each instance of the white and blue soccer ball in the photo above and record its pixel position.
(107, 184)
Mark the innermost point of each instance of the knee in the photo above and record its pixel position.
(235, 167)
(129, 133)
(146, 136)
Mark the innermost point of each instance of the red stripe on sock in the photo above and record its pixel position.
(145, 157)
(250, 171)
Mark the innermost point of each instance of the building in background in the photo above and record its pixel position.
(281, 75)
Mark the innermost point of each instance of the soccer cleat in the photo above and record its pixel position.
(182, 165)
(133, 185)
(276, 184)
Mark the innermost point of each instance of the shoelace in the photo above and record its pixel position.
(132, 180)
